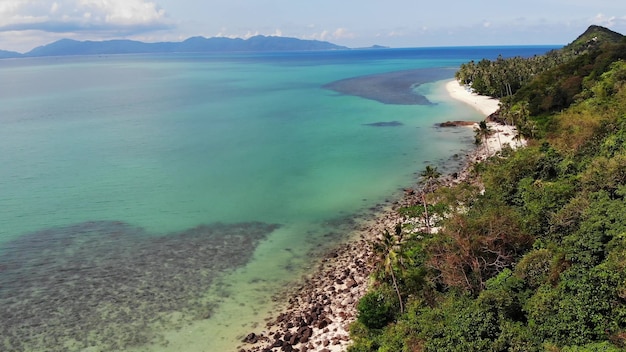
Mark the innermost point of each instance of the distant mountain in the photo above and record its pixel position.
(67, 47)
(9, 54)
(374, 47)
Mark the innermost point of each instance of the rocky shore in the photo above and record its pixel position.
(321, 308)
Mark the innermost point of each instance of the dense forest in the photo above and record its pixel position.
(528, 253)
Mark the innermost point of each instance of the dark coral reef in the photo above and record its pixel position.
(111, 285)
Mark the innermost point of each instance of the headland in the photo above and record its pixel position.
(318, 311)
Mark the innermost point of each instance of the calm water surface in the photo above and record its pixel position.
(156, 203)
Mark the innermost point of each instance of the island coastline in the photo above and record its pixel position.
(320, 309)
(484, 104)
(502, 135)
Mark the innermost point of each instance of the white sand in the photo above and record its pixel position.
(338, 299)
(484, 104)
(503, 134)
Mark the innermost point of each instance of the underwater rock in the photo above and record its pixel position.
(109, 284)
(456, 123)
(396, 87)
(251, 338)
(385, 124)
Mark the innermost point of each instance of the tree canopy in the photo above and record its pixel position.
(537, 260)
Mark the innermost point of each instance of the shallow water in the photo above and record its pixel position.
(391, 87)
(156, 203)
(110, 285)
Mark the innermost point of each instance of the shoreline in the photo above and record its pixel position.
(318, 312)
(484, 104)
(501, 135)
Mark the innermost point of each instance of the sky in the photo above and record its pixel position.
(26, 24)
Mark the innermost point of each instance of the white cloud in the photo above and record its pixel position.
(124, 12)
(396, 33)
(224, 33)
(608, 21)
(303, 32)
(24, 41)
(321, 36)
(326, 35)
(66, 16)
(248, 35)
(342, 33)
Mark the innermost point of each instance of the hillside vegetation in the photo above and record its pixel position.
(530, 252)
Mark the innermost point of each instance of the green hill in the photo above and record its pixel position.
(593, 38)
(531, 249)
(504, 77)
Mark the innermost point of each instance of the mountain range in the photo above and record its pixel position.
(68, 47)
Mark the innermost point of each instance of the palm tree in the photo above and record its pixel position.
(387, 258)
(429, 178)
(506, 112)
(524, 110)
(518, 138)
(483, 132)
(519, 116)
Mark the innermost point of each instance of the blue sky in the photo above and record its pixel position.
(25, 24)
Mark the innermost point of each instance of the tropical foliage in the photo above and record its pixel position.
(530, 253)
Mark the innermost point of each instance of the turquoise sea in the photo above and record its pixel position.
(157, 203)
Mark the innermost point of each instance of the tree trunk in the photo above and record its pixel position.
(426, 217)
(395, 285)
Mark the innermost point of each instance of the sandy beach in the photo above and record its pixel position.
(322, 306)
(485, 105)
(502, 135)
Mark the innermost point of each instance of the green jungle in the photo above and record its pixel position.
(528, 253)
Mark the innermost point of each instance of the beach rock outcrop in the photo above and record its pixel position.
(456, 123)
(251, 338)
(320, 310)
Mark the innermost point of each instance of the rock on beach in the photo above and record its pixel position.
(321, 309)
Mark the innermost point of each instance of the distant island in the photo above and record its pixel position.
(259, 43)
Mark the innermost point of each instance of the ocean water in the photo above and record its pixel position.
(157, 203)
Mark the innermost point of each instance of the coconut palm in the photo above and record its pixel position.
(483, 132)
(428, 178)
(387, 258)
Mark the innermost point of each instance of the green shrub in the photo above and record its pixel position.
(377, 308)
(594, 347)
(534, 268)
